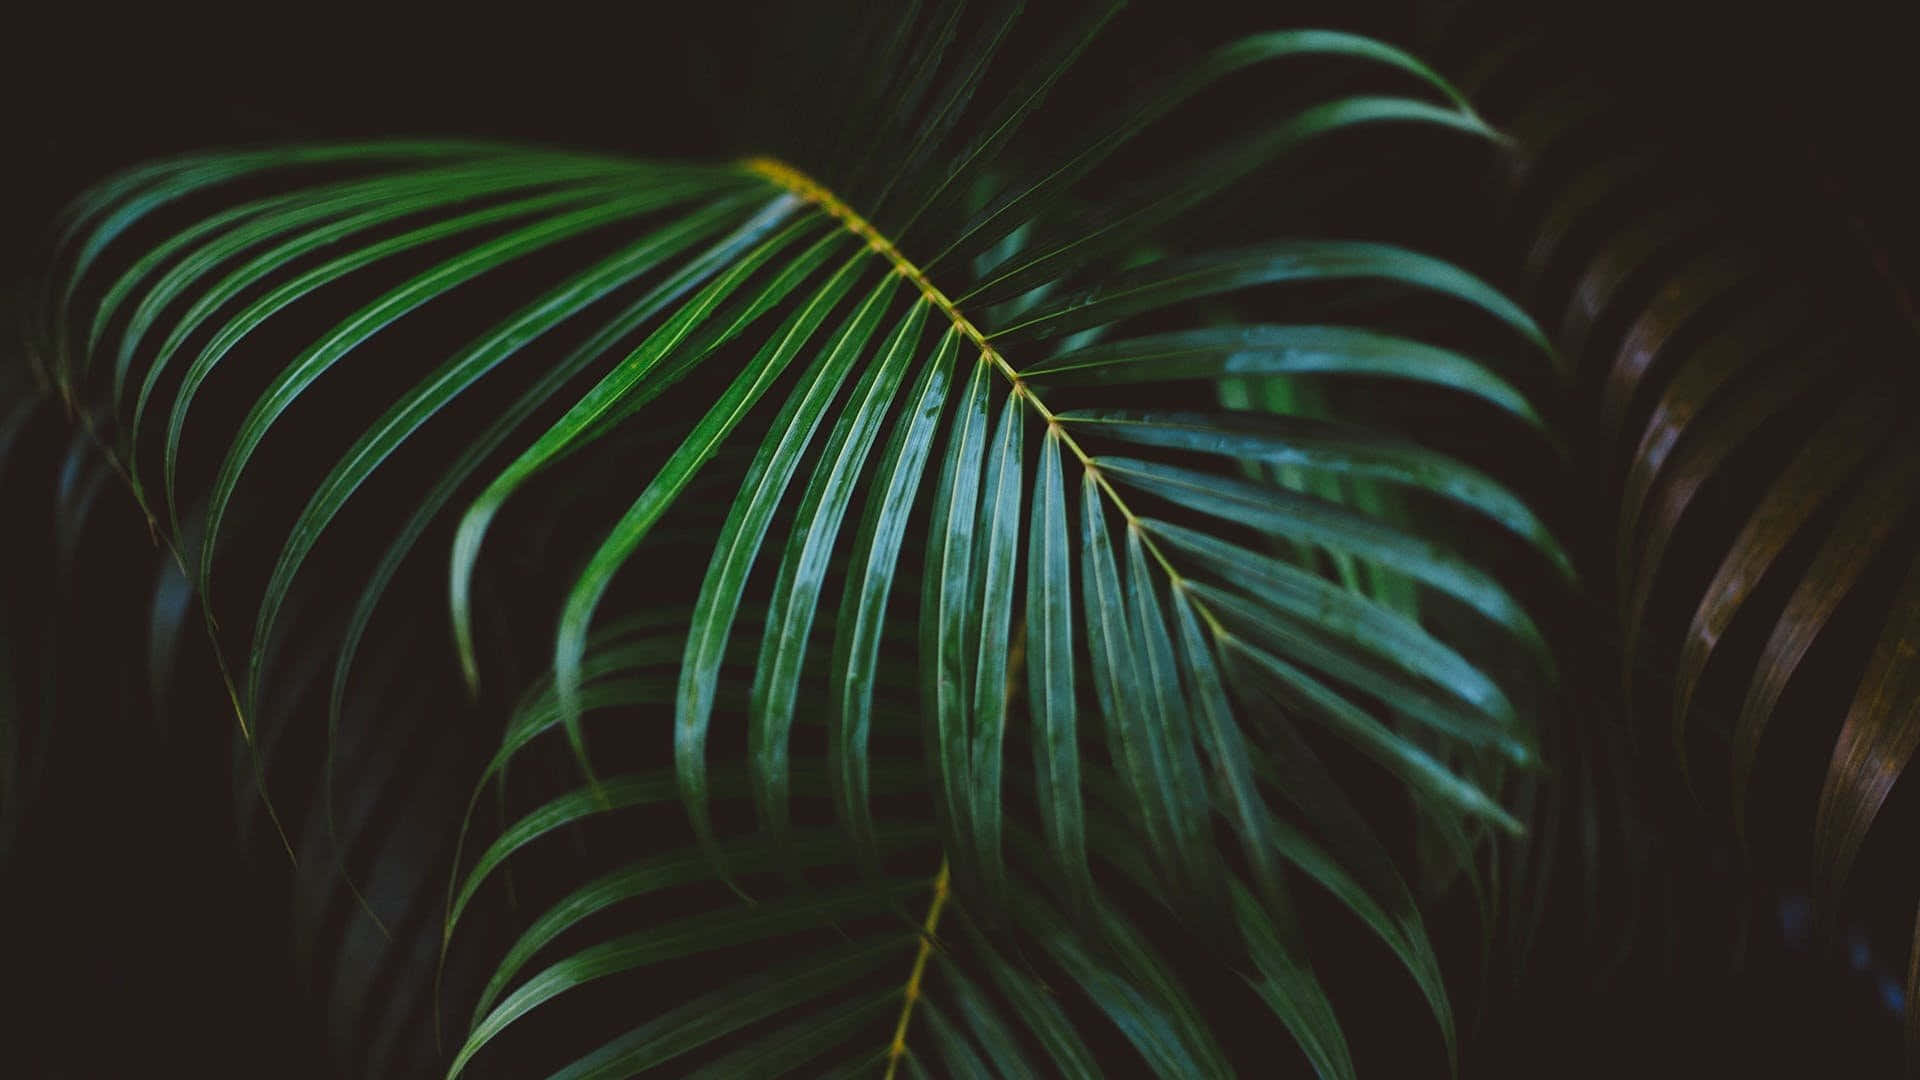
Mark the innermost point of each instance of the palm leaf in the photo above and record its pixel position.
(964, 287)
(1747, 404)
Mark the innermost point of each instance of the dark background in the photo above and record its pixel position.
(137, 939)
(87, 93)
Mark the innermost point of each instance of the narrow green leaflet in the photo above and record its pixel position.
(1319, 446)
(1265, 350)
(618, 793)
(738, 544)
(682, 937)
(983, 1019)
(1126, 222)
(718, 1015)
(391, 196)
(1308, 610)
(171, 180)
(483, 445)
(1050, 663)
(875, 559)
(1262, 927)
(614, 794)
(363, 324)
(798, 1044)
(616, 674)
(816, 528)
(662, 872)
(1393, 751)
(543, 715)
(533, 720)
(883, 39)
(938, 179)
(949, 618)
(1395, 918)
(411, 411)
(1284, 513)
(120, 205)
(996, 553)
(897, 103)
(1167, 726)
(158, 256)
(933, 125)
(356, 329)
(617, 385)
(1174, 280)
(1288, 986)
(1037, 1008)
(623, 645)
(396, 206)
(1142, 1000)
(654, 501)
(1014, 207)
(957, 1052)
(1226, 746)
(1117, 678)
(1434, 708)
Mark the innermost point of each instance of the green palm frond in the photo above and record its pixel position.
(1039, 551)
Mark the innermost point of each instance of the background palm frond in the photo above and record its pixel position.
(1736, 330)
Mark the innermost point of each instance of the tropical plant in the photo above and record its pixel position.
(1055, 611)
(1742, 348)
(1836, 483)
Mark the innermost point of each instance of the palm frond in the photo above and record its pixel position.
(1750, 392)
(958, 336)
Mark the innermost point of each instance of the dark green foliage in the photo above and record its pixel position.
(977, 521)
